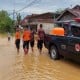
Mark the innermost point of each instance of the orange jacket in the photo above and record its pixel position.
(17, 35)
(26, 35)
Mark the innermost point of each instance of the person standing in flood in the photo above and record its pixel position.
(41, 35)
(32, 39)
(9, 36)
(17, 39)
(26, 39)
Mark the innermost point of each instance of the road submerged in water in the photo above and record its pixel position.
(34, 66)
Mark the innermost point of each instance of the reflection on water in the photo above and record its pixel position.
(33, 66)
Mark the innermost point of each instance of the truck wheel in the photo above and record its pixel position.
(54, 53)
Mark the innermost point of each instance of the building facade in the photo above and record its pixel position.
(34, 21)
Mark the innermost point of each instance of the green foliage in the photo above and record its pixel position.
(5, 22)
(59, 10)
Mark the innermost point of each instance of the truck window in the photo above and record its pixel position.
(65, 26)
(66, 29)
(75, 31)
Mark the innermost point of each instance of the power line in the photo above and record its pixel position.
(30, 4)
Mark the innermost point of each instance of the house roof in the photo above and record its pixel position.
(76, 7)
(39, 20)
(25, 20)
(74, 11)
(45, 18)
(48, 15)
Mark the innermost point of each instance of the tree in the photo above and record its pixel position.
(59, 10)
(5, 22)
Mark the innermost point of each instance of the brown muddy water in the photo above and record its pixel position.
(34, 66)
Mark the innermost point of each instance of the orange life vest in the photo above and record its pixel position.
(17, 35)
(26, 35)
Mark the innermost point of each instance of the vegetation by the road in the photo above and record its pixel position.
(5, 22)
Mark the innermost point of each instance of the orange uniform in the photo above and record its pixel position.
(17, 40)
(17, 35)
(26, 35)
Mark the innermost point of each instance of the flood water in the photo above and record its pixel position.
(34, 66)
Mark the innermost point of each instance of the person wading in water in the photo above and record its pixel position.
(41, 35)
(32, 39)
(26, 40)
(17, 39)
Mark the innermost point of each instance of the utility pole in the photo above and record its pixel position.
(13, 15)
(13, 18)
(18, 18)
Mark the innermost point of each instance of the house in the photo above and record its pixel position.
(69, 14)
(34, 21)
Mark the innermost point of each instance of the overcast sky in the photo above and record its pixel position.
(39, 6)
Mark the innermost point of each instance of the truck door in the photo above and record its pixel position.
(73, 46)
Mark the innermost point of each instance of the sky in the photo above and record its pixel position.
(36, 6)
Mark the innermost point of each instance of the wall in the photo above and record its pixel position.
(46, 26)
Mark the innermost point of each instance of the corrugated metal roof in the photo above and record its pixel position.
(74, 11)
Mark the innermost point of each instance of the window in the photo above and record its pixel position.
(75, 31)
(65, 26)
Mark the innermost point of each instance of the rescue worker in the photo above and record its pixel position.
(17, 39)
(41, 35)
(26, 40)
(32, 39)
